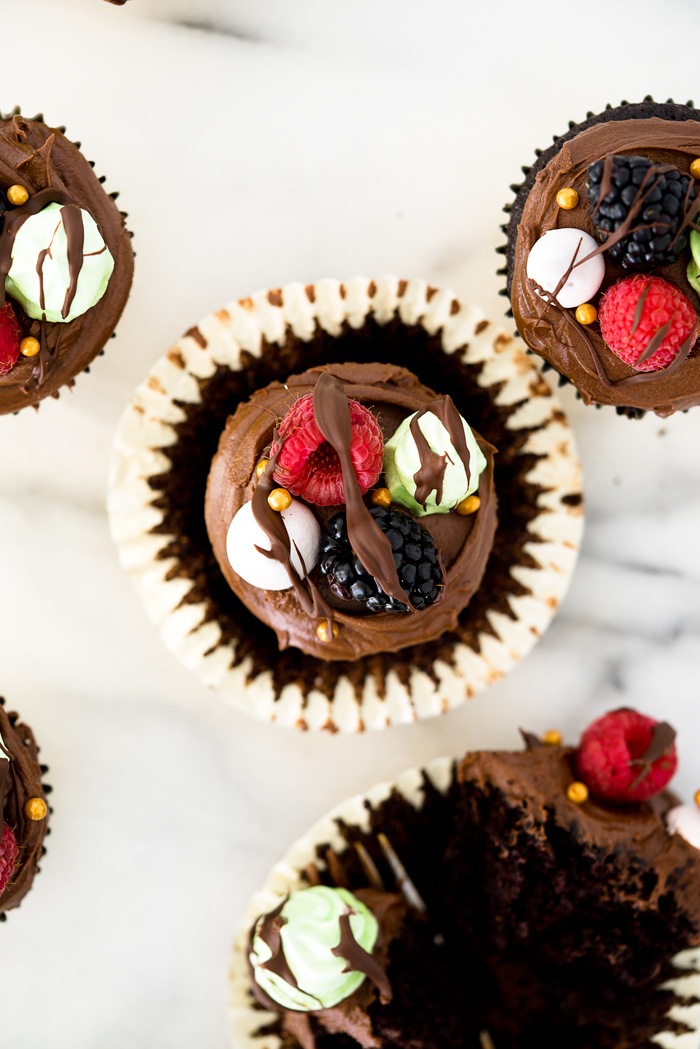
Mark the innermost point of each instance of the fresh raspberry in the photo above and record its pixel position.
(10, 338)
(663, 304)
(616, 759)
(8, 855)
(308, 465)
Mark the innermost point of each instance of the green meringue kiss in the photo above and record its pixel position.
(693, 271)
(402, 462)
(310, 929)
(40, 264)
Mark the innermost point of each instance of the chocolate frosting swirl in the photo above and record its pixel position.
(42, 160)
(576, 351)
(21, 781)
(392, 393)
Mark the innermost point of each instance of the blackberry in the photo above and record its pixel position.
(657, 212)
(417, 560)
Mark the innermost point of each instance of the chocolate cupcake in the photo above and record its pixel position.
(228, 368)
(601, 257)
(24, 810)
(551, 898)
(65, 259)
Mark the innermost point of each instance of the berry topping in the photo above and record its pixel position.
(626, 757)
(646, 321)
(418, 563)
(10, 335)
(8, 855)
(309, 466)
(649, 199)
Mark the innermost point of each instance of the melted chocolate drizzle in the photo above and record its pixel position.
(688, 219)
(270, 933)
(358, 960)
(272, 524)
(663, 737)
(532, 742)
(430, 475)
(332, 416)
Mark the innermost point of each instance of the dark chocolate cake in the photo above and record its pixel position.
(553, 914)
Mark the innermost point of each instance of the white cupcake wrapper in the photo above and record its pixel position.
(147, 427)
(245, 1016)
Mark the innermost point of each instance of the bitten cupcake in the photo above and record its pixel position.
(602, 257)
(23, 808)
(352, 575)
(551, 897)
(66, 262)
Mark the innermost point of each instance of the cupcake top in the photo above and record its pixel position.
(65, 260)
(601, 257)
(24, 810)
(320, 444)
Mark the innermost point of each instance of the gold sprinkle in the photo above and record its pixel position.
(17, 195)
(29, 346)
(279, 499)
(469, 505)
(35, 808)
(577, 792)
(567, 198)
(695, 168)
(322, 631)
(552, 738)
(381, 497)
(697, 798)
(259, 469)
(586, 313)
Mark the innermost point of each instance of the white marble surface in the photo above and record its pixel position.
(305, 139)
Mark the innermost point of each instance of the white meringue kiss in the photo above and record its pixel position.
(551, 257)
(245, 534)
(685, 820)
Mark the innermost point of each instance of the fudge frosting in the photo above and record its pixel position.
(41, 158)
(22, 781)
(392, 393)
(574, 350)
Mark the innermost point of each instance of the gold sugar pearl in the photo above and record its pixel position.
(322, 632)
(577, 792)
(552, 738)
(260, 468)
(279, 499)
(17, 195)
(469, 505)
(381, 497)
(697, 798)
(695, 168)
(35, 808)
(29, 346)
(567, 198)
(586, 313)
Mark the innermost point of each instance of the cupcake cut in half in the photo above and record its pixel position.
(24, 810)
(66, 262)
(603, 257)
(550, 897)
(344, 649)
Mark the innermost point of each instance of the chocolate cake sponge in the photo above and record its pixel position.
(568, 353)
(548, 925)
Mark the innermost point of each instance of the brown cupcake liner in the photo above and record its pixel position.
(170, 431)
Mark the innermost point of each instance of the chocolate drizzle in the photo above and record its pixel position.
(358, 960)
(431, 473)
(332, 416)
(270, 932)
(272, 524)
(532, 742)
(663, 737)
(73, 224)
